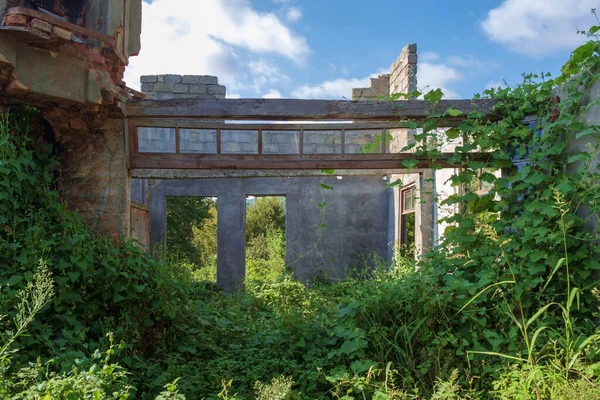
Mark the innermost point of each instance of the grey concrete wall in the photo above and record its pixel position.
(357, 219)
(590, 144)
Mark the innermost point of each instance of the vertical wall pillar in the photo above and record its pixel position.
(96, 180)
(231, 241)
(403, 79)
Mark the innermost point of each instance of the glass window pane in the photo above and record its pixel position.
(156, 140)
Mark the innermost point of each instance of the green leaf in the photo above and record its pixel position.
(326, 187)
(117, 298)
(452, 133)
(15, 279)
(434, 96)
(453, 112)
(74, 275)
(378, 395)
(585, 132)
(328, 171)
(410, 164)
(349, 346)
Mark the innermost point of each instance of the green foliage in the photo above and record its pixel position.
(264, 215)
(504, 308)
(184, 216)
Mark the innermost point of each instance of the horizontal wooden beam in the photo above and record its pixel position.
(291, 162)
(201, 124)
(302, 110)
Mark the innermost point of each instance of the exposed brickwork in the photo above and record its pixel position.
(163, 87)
(379, 87)
(403, 73)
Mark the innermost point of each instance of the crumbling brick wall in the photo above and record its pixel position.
(379, 87)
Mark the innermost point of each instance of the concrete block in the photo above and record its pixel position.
(180, 88)
(148, 79)
(200, 79)
(217, 90)
(232, 148)
(162, 87)
(170, 79)
(198, 89)
(147, 87)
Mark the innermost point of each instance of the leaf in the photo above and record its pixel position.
(328, 171)
(452, 133)
(579, 157)
(349, 346)
(453, 112)
(585, 132)
(326, 187)
(410, 164)
(378, 395)
(434, 96)
(594, 29)
(475, 115)
(15, 279)
(117, 298)
(74, 276)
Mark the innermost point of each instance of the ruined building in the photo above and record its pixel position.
(67, 57)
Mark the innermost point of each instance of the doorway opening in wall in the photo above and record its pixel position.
(265, 238)
(192, 236)
(407, 222)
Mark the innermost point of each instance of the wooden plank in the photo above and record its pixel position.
(317, 161)
(61, 23)
(295, 109)
(200, 124)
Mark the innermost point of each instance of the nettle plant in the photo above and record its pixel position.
(520, 262)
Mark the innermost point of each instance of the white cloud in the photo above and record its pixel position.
(429, 56)
(340, 88)
(272, 94)
(209, 37)
(432, 76)
(539, 27)
(333, 89)
(294, 14)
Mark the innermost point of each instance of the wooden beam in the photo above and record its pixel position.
(295, 109)
(201, 124)
(291, 162)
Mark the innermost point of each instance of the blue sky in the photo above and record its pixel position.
(324, 48)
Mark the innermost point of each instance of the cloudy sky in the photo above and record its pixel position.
(324, 48)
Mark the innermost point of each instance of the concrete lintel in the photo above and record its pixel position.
(211, 173)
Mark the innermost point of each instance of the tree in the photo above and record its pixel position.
(183, 214)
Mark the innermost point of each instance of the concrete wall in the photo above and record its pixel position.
(590, 144)
(356, 215)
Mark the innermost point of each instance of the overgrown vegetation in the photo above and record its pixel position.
(505, 308)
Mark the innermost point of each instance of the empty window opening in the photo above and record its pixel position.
(407, 222)
(192, 236)
(265, 238)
